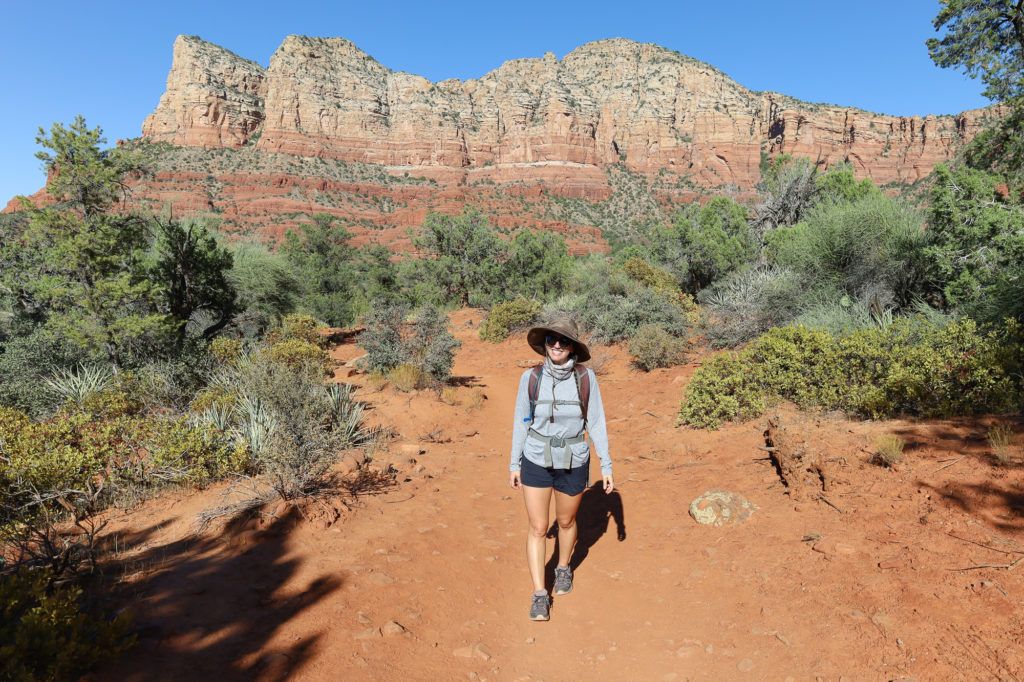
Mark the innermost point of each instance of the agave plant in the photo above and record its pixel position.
(256, 425)
(346, 413)
(75, 385)
(218, 417)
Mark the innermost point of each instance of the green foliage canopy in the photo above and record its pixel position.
(985, 38)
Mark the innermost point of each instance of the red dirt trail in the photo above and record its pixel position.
(428, 581)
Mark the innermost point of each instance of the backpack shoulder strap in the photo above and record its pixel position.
(533, 388)
(583, 389)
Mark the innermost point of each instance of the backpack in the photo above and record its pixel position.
(582, 389)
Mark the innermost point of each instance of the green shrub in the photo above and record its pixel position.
(426, 344)
(225, 350)
(912, 366)
(298, 353)
(508, 317)
(382, 338)
(724, 389)
(747, 304)
(296, 327)
(45, 634)
(653, 347)
(714, 240)
(431, 346)
(869, 247)
(194, 453)
(27, 360)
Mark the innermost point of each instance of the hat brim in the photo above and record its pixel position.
(535, 337)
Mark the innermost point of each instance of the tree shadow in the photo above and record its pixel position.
(981, 499)
(465, 382)
(208, 606)
(597, 509)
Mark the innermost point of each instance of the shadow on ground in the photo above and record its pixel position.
(207, 607)
(597, 511)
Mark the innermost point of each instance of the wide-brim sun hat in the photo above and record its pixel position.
(564, 326)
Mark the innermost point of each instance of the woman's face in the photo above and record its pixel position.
(558, 347)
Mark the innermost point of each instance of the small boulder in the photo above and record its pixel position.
(720, 508)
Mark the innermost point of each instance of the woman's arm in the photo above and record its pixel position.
(597, 427)
(520, 421)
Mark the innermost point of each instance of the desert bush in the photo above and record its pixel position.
(225, 350)
(46, 634)
(184, 451)
(508, 317)
(431, 346)
(382, 338)
(298, 353)
(267, 286)
(869, 248)
(888, 451)
(27, 360)
(292, 423)
(407, 378)
(653, 347)
(747, 304)
(911, 366)
(296, 327)
(426, 343)
(449, 395)
(538, 265)
(723, 389)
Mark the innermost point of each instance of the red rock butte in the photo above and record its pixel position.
(326, 128)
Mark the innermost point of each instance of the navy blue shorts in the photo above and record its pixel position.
(571, 482)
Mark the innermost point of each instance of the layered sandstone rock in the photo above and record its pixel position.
(606, 102)
(214, 98)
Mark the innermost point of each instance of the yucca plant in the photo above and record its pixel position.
(75, 385)
(218, 416)
(346, 413)
(256, 425)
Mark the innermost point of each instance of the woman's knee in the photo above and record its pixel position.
(538, 531)
(566, 522)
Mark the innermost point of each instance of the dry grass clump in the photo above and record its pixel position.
(449, 395)
(888, 451)
(475, 400)
(376, 381)
(407, 378)
(1000, 439)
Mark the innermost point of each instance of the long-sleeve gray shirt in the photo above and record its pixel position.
(568, 422)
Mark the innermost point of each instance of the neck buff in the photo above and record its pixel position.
(559, 372)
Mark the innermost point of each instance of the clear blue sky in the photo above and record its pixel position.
(109, 60)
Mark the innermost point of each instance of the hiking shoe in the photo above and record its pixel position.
(540, 609)
(563, 580)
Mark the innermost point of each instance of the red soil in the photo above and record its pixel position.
(887, 593)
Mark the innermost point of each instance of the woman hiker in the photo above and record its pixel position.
(557, 401)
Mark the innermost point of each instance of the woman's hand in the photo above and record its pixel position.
(513, 479)
(609, 484)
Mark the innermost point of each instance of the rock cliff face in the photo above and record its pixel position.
(214, 98)
(615, 133)
(606, 102)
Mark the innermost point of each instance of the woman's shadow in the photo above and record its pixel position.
(596, 510)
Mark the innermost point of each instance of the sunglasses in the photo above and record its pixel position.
(556, 339)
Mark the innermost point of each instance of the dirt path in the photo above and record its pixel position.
(429, 581)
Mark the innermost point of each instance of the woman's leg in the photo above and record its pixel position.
(538, 502)
(566, 507)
